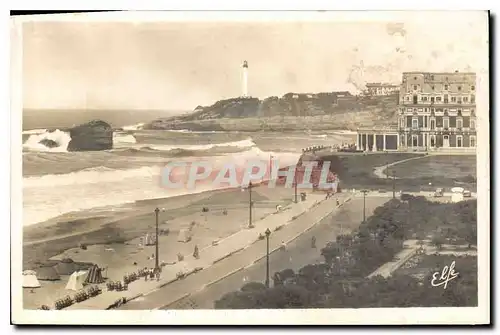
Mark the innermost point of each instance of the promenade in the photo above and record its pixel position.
(249, 264)
(302, 214)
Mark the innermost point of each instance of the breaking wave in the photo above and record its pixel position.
(133, 127)
(57, 140)
(248, 143)
(123, 138)
(51, 195)
(44, 140)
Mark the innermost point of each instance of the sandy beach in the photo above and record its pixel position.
(115, 242)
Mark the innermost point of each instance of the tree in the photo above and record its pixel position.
(438, 241)
(344, 240)
(331, 251)
(406, 197)
(282, 277)
(237, 300)
(253, 286)
(469, 234)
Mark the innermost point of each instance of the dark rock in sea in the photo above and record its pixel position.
(49, 143)
(91, 136)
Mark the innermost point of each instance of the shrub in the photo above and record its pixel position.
(253, 286)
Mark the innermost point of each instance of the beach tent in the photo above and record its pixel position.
(94, 275)
(30, 280)
(66, 267)
(47, 273)
(76, 280)
(184, 235)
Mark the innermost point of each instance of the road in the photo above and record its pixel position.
(298, 254)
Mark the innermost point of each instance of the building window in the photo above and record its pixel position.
(466, 99)
(407, 98)
(438, 99)
(446, 98)
(409, 110)
(414, 141)
(459, 141)
(472, 88)
(459, 100)
(446, 122)
(432, 78)
(473, 99)
(424, 98)
(453, 99)
(432, 87)
(473, 141)
(472, 124)
(459, 88)
(415, 87)
(446, 87)
(433, 141)
(414, 78)
(459, 123)
(402, 121)
(432, 99)
(414, 123)
(433, 123)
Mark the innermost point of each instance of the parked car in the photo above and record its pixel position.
(438, 193)
(467, 194)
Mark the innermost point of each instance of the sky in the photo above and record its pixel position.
(180, 65)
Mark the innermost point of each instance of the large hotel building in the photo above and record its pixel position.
(436, 111)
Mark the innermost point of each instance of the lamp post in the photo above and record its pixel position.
(393, 184)
(268, 233)
(386, 168)
(250, 225)
(295, 184)
(364, 204)
(157, 264)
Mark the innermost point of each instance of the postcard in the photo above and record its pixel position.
(320, 168)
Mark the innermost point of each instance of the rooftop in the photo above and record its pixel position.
(381, 84)
(450, 73)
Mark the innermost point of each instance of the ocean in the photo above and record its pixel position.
(83, 184)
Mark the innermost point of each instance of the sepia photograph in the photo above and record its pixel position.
(293, 167)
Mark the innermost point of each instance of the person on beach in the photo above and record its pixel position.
(283, 245)
(313, 242)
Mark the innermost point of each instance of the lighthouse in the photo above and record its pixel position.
(245, 79)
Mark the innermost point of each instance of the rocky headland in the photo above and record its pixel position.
(293, 111)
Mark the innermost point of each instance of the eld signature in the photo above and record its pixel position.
(447, 275)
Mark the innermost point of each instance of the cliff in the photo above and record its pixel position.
(293, 111)
(91, 136)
